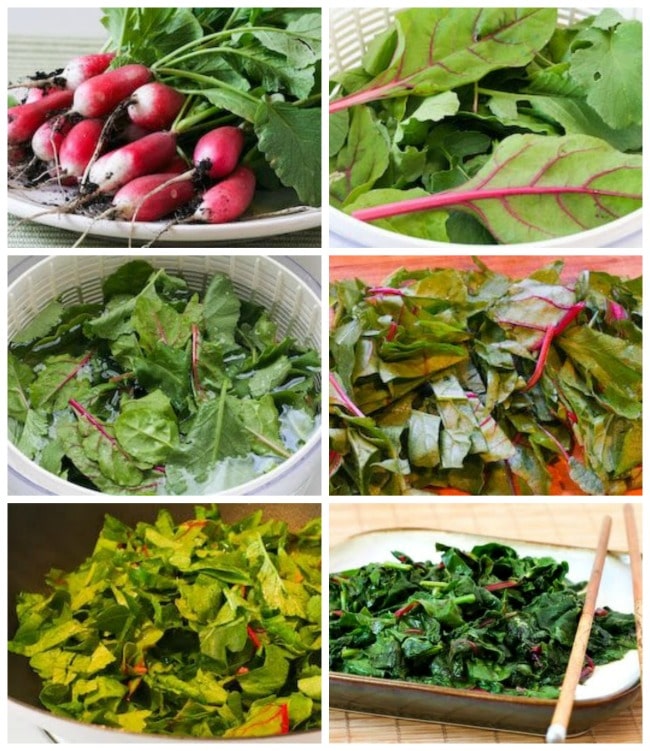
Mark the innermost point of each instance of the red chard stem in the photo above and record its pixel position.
(83, 412)
(345, 399)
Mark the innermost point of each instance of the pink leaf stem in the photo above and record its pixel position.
(76, 369)
(462, 197)
(386, 291)
(568, 317)
(496, 586)
(541, 360)
(550, 333)
(83, 412)
(406, 609)
(195, 360)
(336, 460)
(615, 312)
(345, 399)
(588, 669)
(392, 331)
(561, 448)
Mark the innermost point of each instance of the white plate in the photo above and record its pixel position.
(615, 588)
(26, 204)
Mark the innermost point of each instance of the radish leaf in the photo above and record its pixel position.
(607, 61)
(288, 138)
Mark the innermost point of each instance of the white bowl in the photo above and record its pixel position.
(290, 295)
(350, 31)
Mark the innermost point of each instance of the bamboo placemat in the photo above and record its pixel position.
(29, 54)
(561, 523)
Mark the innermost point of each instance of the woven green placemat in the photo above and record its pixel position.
(27, 55)
(32, 235)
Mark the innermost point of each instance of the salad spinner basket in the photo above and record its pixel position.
(290, 296)
(350, 32)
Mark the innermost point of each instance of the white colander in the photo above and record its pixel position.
(350, 32)
(291, 297)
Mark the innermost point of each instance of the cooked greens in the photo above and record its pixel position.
(471, 380)
(485, 619)
(199, 628)
(159, 390)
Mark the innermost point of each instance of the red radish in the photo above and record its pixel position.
(142, 157)
(154, 106)
(47, 140)
(34, 94)
(229, 199)
(98, 96)
(216, 153)
(25, 119)
(82, 68)
(178, 165)
(150, 197)
(132, 132)
(79, 146)
(219, 150)
(78, 70)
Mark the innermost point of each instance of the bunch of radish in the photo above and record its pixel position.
(110, 132)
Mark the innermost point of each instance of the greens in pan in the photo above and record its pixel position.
(485, 619)
(200, 628)
(159, 390)
(471, 380)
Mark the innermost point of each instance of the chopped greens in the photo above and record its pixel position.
(485, 619)
(490, 125)
(485, 384)
(157, 391)
(199, 628)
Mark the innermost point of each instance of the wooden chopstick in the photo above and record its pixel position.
(557, 730)
(637, 586)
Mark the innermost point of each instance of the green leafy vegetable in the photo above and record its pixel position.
(535, 188)
(484, 619)
(486, 384)
(462, 47)
(256, 66)
(480, 126)
(170, 628)
(158, 392)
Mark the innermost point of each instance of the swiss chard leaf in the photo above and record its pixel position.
(147, 428)
(154, 630)
(476, 619)
(107, 396)
(535, 189)
(437, 50)
(439, 380)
